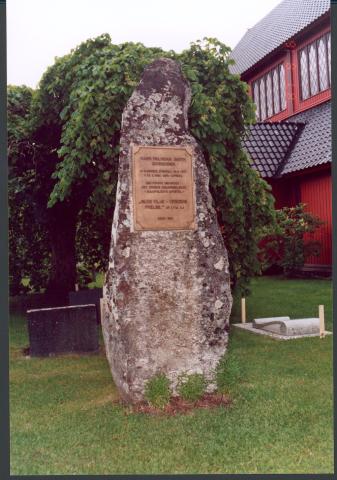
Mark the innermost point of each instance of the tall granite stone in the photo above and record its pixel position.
(167, 290)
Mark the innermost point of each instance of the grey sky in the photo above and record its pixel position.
(40, 30)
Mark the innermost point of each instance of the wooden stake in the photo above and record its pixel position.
(102, 307)
(321, 321)
(243, 310)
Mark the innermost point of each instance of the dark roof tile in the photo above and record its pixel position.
(268, 144)
(313, 146)
(303, 141)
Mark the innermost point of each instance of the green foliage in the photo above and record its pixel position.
(191, 387)
(157, 391)
(228, 371)
(28, 243)
(289, 243)
(93, 238)
(74, 125)
(82, 97)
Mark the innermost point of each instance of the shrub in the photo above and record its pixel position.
(192, 387)
(157, 391)
(289, 244)
(228, 371)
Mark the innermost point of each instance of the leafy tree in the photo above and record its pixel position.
(75, 118)
(74, 125)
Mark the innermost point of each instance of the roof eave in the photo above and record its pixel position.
(281, 48)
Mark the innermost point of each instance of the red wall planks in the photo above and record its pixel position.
(285, 191)
(316, 193)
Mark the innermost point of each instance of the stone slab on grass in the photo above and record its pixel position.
(54, 331)
(286, 326)
(249, 327)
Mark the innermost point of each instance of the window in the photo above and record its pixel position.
(269, 93)
(314, 67)
(282, 88)
(276, 95)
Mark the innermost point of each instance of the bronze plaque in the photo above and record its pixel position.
(163, 188)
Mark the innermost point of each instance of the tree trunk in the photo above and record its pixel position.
(62, 233)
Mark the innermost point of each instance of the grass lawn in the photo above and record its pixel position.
(64, 421)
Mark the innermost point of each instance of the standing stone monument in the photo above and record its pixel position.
(167, 290)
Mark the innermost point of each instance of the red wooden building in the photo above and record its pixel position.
(286, 61)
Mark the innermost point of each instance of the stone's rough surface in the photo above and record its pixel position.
(62, 330)
(167, 293)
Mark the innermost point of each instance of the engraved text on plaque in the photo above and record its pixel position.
(163, 188)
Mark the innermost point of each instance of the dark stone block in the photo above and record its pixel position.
(62, 330)
(85, 297)
(22, 303)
